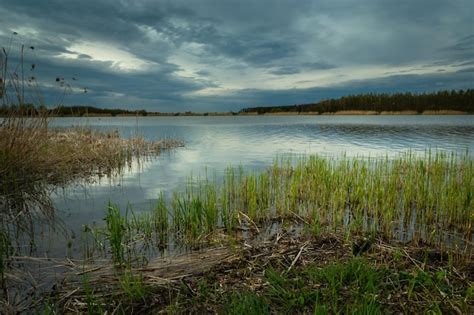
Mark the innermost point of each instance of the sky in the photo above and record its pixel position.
(224, 55)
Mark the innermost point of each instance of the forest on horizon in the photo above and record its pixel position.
(461, 100)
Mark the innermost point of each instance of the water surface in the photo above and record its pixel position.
(213, 143)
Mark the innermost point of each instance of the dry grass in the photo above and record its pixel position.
(444, 112)
(35, 158)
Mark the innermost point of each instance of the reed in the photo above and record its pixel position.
(409, 197)
(161, 221)
(116, 234)
(35, 159)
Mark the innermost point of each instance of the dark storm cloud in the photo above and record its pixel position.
(289, 69)
(463, 49)
(180, 48)
(467, 70)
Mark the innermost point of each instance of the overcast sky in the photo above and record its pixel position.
(225, 55)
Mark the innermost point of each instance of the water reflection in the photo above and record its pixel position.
(213, 143)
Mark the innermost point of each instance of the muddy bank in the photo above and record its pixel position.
(284, 273)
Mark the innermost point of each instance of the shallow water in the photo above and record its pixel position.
(213, 143)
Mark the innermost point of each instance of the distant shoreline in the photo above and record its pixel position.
(440, 103)
(338, 113)
(359, 113)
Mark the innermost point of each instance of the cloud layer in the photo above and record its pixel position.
(225, 55)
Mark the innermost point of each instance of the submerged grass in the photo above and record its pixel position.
(410, 197)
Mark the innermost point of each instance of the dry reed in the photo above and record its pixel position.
(34, 159)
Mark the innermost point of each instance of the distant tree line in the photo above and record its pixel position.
(61, 111)
(462, 100)
(79, 111)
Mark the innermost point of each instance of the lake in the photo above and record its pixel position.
(214, 143)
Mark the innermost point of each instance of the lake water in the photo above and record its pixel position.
(213, 143)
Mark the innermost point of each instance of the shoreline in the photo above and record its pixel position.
(362, 113)
(339, 113)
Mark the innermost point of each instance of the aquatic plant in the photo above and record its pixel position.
(132, 285)
(116, 233)
(408, 197)
(161, 220)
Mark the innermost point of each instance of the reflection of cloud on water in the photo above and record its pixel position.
(129, 174)
(214, 143)
(253, 142)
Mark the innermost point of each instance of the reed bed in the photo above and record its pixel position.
(410, 197)
(34, 159)
(426, 196)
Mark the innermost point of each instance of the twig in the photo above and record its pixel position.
(297, 256)
(412, 260)
(299, 217)
(250, 220)
(278, 237)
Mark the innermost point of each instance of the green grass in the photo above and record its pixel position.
(246, 303)
(436, 190)
(132, 286)
(354, 286)
(340, 287)
(116, 233)
(92, 302)
(161, 221)
(429, 196)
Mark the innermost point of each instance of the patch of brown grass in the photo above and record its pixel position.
(35, 158)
